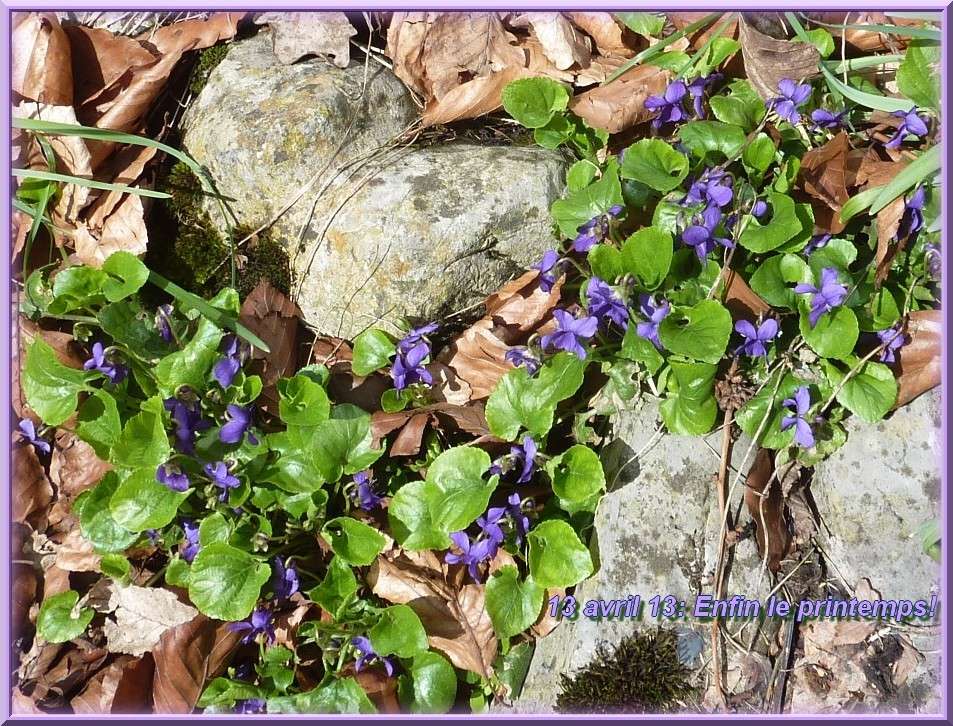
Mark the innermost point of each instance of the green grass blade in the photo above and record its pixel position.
(218, 317)
(91, 183)
(858, 203)
(912, 174)
(856, 64)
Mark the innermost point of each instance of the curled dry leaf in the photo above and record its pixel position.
(455, 618)
(122, 231)
(40, 67)
(871, 170)
(605, 32)
(741, 300)
(823, 175)
(74, 466)
(186, 658)
(31, 493)
(562, 43)
(470, 99)
(379, 687)
(765, 505)
(121, 687)
(270, 315)
(296, 35)
(919, 364)
(76, 554)
(768, 60)
(621, 103)
(888, 245)
(142, 616)
(700, 37)
(869, 41)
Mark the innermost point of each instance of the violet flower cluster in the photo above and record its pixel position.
(829, 295)
(412, 350)
(792, 96)
(670, 106)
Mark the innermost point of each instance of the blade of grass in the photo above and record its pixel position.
(700, 53)
(91, 183)
(856, 64)
(912, 174)
(221, 319)
(910, 31)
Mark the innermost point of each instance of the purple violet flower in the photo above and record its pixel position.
(801, 402)
(28, 434)
(605, 304)
(415, 336)
(827, 297)
(713, 187)
(172, 477)
(367, 656)
(259, 623)
(489, 524)
(98, 361)
(220, 476)
(756, 338)
(470, 555)
(227, 368)
(284, 580)
(514, 511)
(912, 123)
(933, 260)
(408, 367)
(239, 421)
(702, 237)
(912, 220)
(163, 322)
(250, 705)
(192, 545)
(793, 96)
(188, 422)
(364, 495)
(894, 340)
(522, 357)
(571, 333)
(594, 231)
(654, 315)
(823, 119)
(521, 457)
(696, 89)
(816, 242)
(668, 105)
(548, 268)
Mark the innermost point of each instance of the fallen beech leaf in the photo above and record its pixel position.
(909, 659)
(74, 466)
(102, 62)
(77, 554)
(598, 70)
(919, 362)
(455, 618)
(296, 35)
(40, 63)
(408, 441)
(766, 507)
(143, 615)
(741, 300)
(605, 32)
(561, 42)
(621, 103)
(862, 39)
(187, 657)
(31, 493)
(23, 704)
(768, 61)
(700, 37)
(194, 34)
(270, 315)
(471, 99)
(123, 167)
(100, 692)
(547, 622)
(123, 230)
(872, 171)
(379, 687)
(287, 624)
(823, 175)
(888, 222)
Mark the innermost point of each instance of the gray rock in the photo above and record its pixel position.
(385, 232)
(875, 492)
(654, 535)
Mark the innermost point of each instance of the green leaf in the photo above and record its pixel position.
(918, 77)
(647, 254)
(75, 288)
(393, 400)
(822, 40)
(700, 332)
(578, 207)
(835, 334)
(455, 490)
(178, 572)
(342, 444)
(758, 155)
(576, 473)
(720, 50)
(412, 521)
(581, 174)
(534, 101)
(372, 351)
(930, 536)
(712, 139)
(191, 365)
(115, 566)
(511, 668)
(513, 605)
(340, 695)
(399, 631)
(126, 274)
(97, 423)
(50, 387)
(743, 107)
(783, 225)
(337, 589)
(225, 692)
(637, 348)
(130, 325)
(226, 582)
(690, 409)
(96, 521)
(605, 261)
(214, 528)
(302, 402)
(837, 253)
(434, 684)
(353, 541)
(880, 313)
(143, 441)
(869, 394)
(876, 101)
(648, 25)
(556, 556)
(520, 401)
(140, 502)
(775, 279)
(655, 164)
(59, 620)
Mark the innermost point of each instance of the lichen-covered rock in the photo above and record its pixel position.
(431, 234)
(873, 495)
(384, 233)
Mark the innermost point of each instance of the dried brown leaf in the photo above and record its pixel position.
(74, 466)
(408, 441)
(296, 35)
(919, 364)
(186, 658)
(270, 315)
(766, 507)
(741, 300)
(823, 175)
(142, 616)
(866, 40)
(103, 62)
(97, 697)
(562, 43)
(605, 32)
(455, 618)
(40, 65)
(700, 37)
(888, 223)
(621, 103)
(77, 554)
(194, 34)
(872, 171)
(768, 60)
(31, 493)
(470, 99)
(123, 230)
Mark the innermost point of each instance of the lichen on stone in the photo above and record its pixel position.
(207, 61)
(642, 674)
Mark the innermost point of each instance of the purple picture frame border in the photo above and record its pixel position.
(7, 7)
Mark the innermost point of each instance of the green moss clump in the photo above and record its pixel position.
(197, 254)
(208, 60)
(642, 674)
